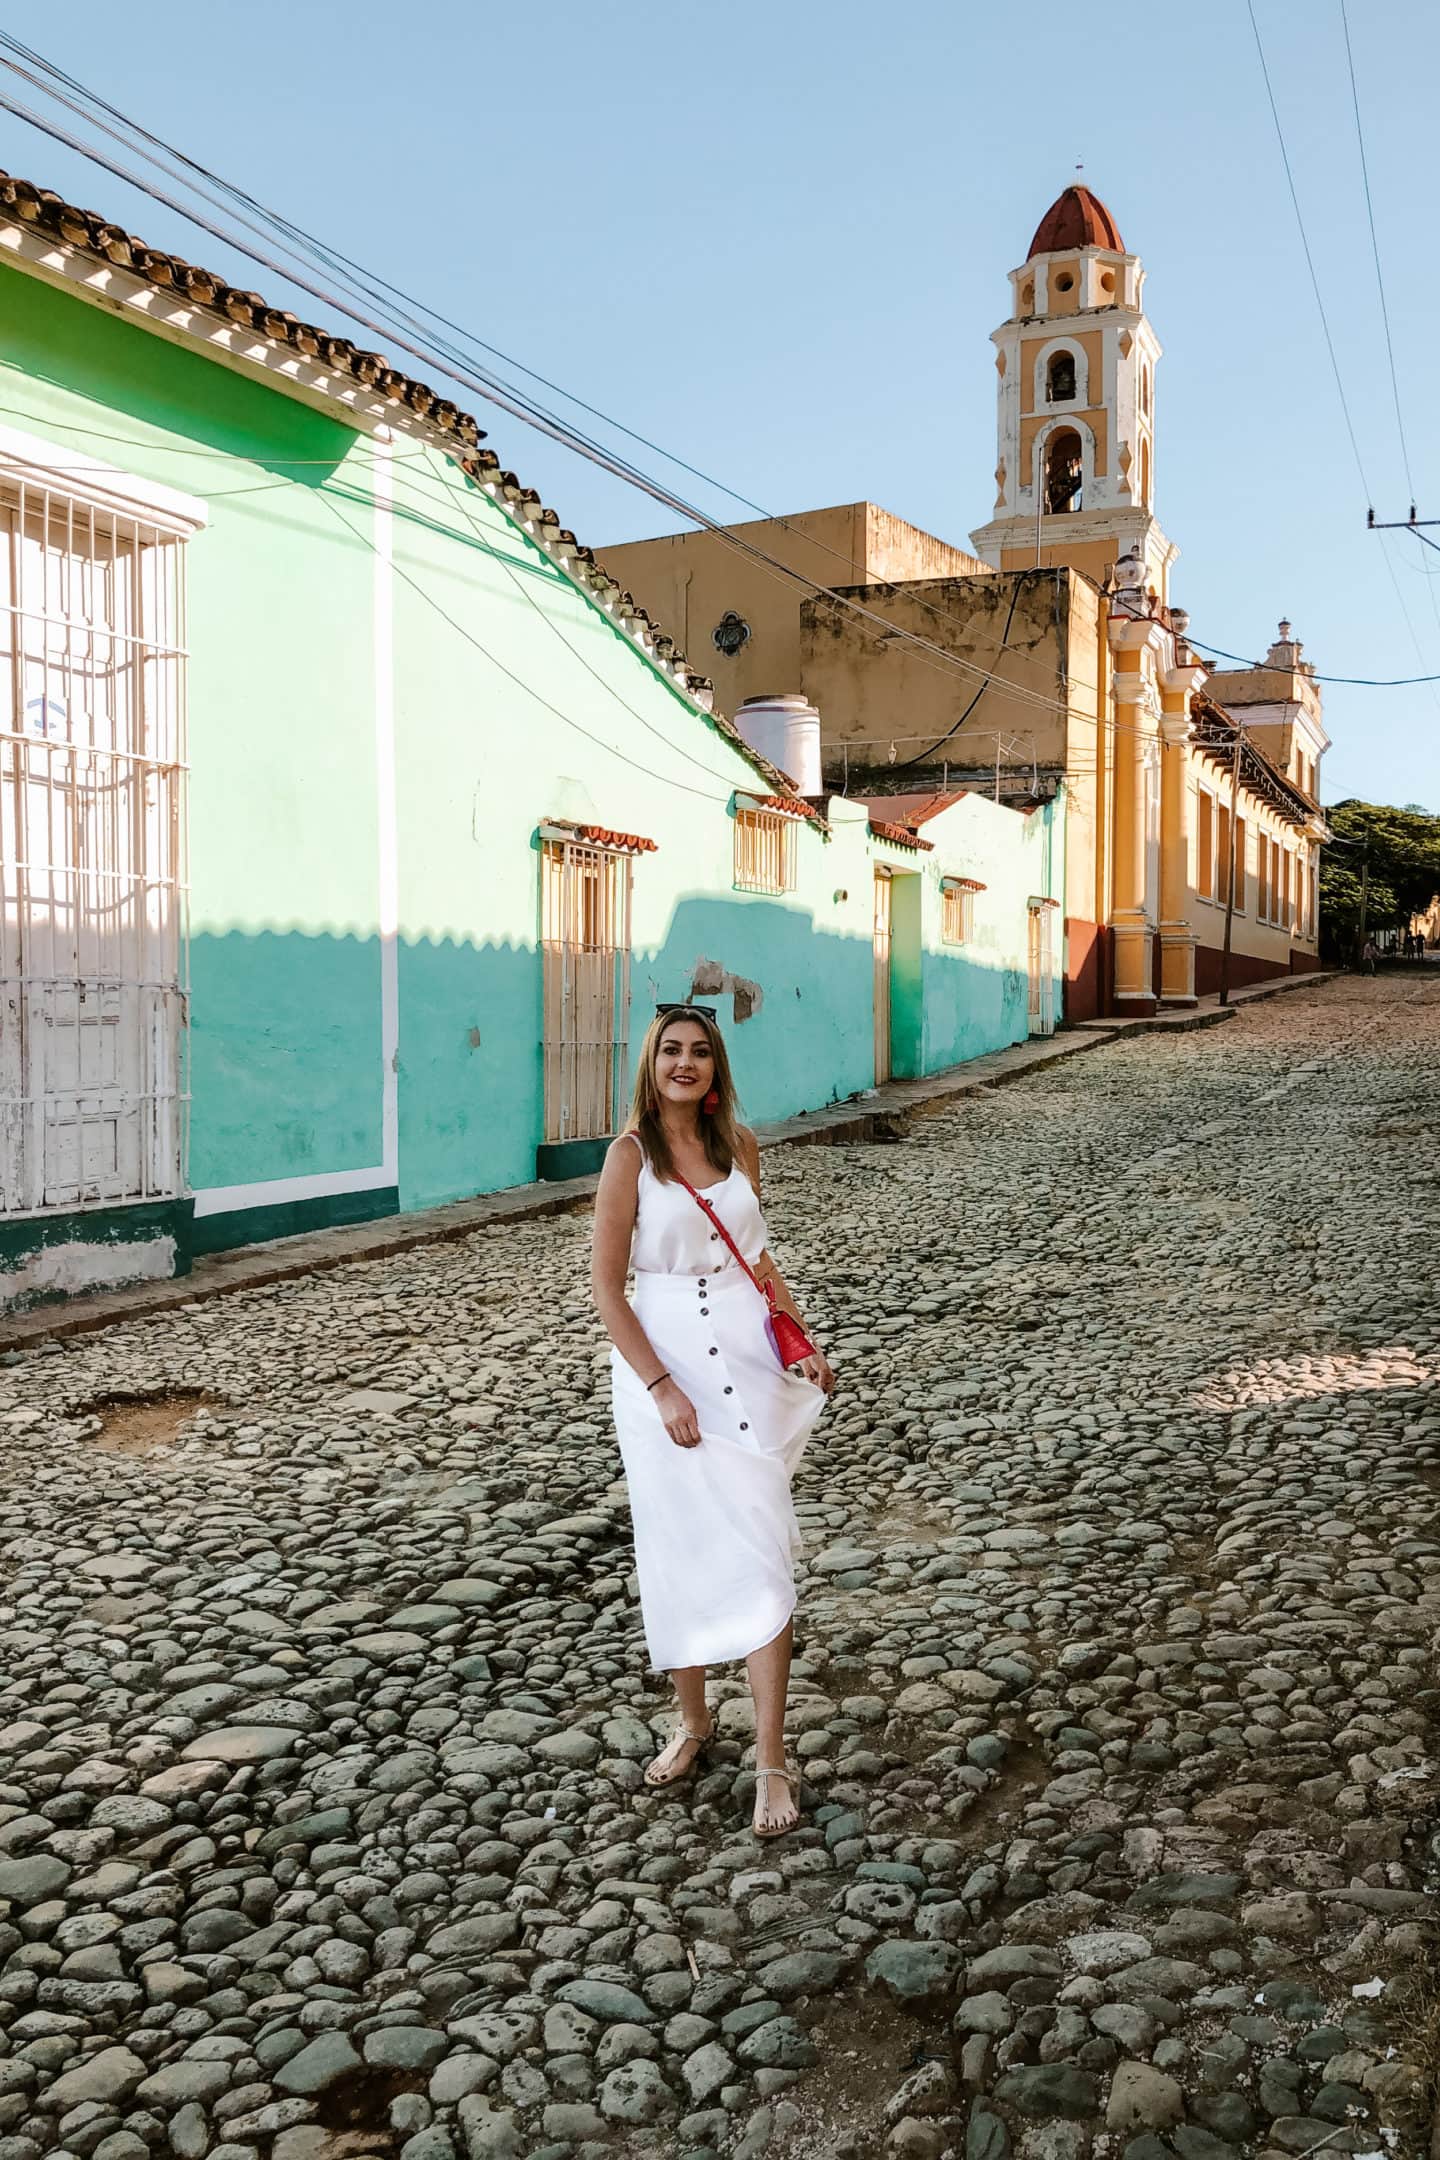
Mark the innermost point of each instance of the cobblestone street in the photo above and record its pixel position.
(323, 1704)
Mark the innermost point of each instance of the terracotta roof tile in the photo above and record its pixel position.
(899, 835)
(605, 836)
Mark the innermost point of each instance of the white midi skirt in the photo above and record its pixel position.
(715, 1529)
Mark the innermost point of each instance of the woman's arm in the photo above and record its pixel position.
(816, 1368)
(615, 1205)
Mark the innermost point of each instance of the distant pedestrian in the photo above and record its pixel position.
(1368, 956)
(716, 1388)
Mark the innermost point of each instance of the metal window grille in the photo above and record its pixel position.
(957, 915)
(93, 1098)
(585, 945)
(764, 851)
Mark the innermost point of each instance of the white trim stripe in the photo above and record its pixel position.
(275, 1192)
(388, 870)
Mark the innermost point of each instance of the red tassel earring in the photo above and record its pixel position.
(711, 1103)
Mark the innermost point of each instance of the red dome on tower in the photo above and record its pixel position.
(1075, 219)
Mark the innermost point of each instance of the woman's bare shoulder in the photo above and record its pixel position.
(749, 1148)
(623, 1159)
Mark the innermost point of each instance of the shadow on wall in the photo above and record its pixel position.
(286, 1062)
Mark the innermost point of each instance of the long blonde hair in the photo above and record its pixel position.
(718, 1128)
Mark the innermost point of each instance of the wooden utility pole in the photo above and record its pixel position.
(1230, 873)
(1364, 899)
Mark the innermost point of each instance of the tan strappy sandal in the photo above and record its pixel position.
(789, 1776)
(702, 1744)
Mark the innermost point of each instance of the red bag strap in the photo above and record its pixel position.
(702, 1203)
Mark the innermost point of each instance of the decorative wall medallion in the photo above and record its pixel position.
(730, 633)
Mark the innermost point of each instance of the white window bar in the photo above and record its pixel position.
(764, 851)
(585, 947)
(93, 879)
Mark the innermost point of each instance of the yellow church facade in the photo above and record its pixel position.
(1049, 660)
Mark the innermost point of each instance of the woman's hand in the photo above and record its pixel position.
(677, 1413)
(817, 1370)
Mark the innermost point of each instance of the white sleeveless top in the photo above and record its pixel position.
(672, 1236)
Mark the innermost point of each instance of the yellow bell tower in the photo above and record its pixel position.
(1075, 474)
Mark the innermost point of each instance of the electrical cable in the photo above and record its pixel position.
(922, 755)
(1375, 251)
(948, 661)
(1325, 322)
(1380, 284)
(547, 423)
(533, 416)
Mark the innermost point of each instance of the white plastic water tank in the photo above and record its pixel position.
(785, 729)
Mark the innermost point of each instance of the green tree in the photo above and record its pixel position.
(1402, 850)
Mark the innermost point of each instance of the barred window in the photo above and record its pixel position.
(957, 913)
(92, 872)
(764, 851)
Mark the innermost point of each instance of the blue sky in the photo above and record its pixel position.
(774, 238)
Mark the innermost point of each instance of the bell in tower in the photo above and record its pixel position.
(1076, 363)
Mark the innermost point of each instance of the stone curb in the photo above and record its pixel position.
(883, 1114)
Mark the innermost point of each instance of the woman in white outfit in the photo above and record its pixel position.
(711, 1425)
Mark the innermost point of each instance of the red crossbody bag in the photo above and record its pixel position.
(787, 1338)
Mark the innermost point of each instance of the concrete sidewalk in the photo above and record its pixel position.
(880, 1113)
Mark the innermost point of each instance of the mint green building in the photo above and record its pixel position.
(354, 820)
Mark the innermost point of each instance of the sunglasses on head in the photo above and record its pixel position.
(701, 1012)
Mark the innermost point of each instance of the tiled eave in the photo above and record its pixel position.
(598, 836)
(790, 806)
(1214, 738)
(98, 261)
(899, 836)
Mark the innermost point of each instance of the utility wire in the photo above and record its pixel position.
(1380, 286)
(521, 407)
(1375, 251)
(1309, 258)
(525, 410)
(231, 457)
(1325, 321)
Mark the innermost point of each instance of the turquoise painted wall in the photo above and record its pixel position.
(515, 699)
(975, 997)
(285, 1027)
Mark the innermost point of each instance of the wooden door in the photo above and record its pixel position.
(586, 967)
(883, 943)
(1040, 956)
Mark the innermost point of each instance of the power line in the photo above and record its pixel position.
(1309, 258)
(1325, 321)
(510, 401)
(1375, 250)
(926, 649)
(533, 416)
(1380, 286)
(1364, 682)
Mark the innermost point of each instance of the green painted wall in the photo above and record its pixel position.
(515, 698)
(284, 1034)
(975, 997)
